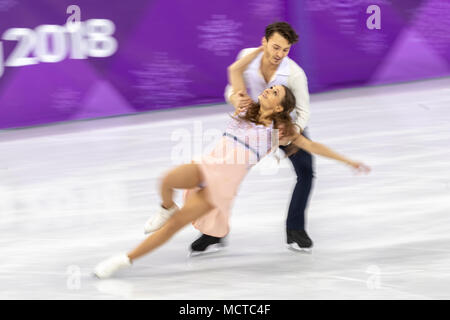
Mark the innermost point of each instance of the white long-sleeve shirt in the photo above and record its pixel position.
(288, 73)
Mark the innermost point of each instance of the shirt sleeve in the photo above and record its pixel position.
(228, 88)
(298, 83)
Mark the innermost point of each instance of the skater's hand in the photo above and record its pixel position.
(359, 167)
(283, 136)
(283, 139)
(241, 101)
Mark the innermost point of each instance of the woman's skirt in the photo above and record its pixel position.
(222, 173)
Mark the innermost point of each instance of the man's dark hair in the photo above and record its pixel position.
(284, 29)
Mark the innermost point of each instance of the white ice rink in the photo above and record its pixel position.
(73, 194)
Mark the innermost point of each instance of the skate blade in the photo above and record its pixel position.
(213, 249)
(295, 247)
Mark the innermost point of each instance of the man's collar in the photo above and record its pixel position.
(283, 68)
(256, 63)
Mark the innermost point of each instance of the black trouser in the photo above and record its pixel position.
(303, 165)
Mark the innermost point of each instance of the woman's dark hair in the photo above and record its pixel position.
(284, 29)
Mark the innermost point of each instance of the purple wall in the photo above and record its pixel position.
(175, 53)
(338, 50)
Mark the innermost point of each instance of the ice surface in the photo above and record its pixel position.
(73, 194)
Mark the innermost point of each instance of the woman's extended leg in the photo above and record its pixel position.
(195, 206)
(186, 176)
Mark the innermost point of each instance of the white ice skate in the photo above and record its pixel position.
(107, 268)
(159, 219)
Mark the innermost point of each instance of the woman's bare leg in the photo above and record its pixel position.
(186, 176)
(195, 206)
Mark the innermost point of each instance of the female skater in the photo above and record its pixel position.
(213, 182)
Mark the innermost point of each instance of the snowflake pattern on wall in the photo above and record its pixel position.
(220, 35)
(163, 81)
(65, 100)
(5, 5)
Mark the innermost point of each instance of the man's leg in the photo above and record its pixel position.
(295, 223)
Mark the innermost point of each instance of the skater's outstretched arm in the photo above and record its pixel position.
(322, 150)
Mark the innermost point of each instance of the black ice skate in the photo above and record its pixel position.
(206, 244)
(299, 240)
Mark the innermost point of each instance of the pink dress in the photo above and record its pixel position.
(243, 144)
